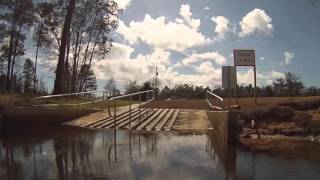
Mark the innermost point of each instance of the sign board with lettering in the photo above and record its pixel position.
(229, 77)
(244, 57)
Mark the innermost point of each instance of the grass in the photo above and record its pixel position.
(13, 99)
(26, 100)
(245, 103)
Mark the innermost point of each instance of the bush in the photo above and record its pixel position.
(277, 113)
(284, 113)
(302, 119)
(302, 106)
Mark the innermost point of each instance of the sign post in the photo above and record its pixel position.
(229, 80)
(246, 57)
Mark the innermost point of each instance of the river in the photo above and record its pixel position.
(137, 155)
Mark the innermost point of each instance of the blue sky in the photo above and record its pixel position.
(191, 40)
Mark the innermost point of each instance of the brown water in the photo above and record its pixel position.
(94, 155)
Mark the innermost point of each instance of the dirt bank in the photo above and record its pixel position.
(289, 147)
(290, 119)
(16, 119)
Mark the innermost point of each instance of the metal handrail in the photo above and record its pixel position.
(215, 97)
(114, 99)
(131, 94)
(60, 95)
(103, 98)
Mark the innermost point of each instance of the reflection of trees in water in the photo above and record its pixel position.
(73, 153)
(8, 164)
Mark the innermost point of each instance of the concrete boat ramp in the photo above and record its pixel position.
(146, 119)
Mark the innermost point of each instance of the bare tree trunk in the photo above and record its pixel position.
(14, 55)
(8, 86)
(35, 86)
(58, 83)
(90, 60)
(67, 78)
(74, 68)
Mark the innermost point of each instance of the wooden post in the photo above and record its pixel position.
(1, 109)
(229, 89)
(255, 85)
(236, 90)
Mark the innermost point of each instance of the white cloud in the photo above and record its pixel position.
(175, 35)
(123, 4)
(208, 56)
(120, 65)
(263, 78)
(288, 56)
(186, 14)
(208, 68)
(222, 25)
(207, 8)
(261, 58)
(256, 21)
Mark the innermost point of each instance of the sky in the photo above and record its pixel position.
(190, 40)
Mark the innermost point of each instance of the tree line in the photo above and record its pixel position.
(74, 32)
(289, 85)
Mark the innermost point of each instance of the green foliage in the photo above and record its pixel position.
(290, 85)
(132, 87)
(28, 73)
(90, 78)
(183, 91)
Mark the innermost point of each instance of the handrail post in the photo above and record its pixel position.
(62, 101)
(78, 101)
(92, 100)
(147, 99)
(139, 107)
(130, 98)
(115, 114)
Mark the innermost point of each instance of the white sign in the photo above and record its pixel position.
(229, 77)
(244, 57)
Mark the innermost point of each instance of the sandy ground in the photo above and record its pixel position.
(245, 103)
(192, 120)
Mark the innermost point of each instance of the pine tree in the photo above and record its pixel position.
(89, 77)
(91, 82)
(28, 74)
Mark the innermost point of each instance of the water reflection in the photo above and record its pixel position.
(141, 155)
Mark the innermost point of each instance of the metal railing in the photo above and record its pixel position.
(132, 97)
(215, 102)
(72, 99)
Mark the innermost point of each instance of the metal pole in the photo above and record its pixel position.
(156, 90)
(62, 101)
(78, 101)
(115, 114)
(130, 111)
(139, 106)
(147, 98)
(92, 100)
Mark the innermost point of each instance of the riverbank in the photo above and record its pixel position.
(287, 121)
(18, 119)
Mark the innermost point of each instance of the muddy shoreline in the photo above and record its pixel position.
(294, 122)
